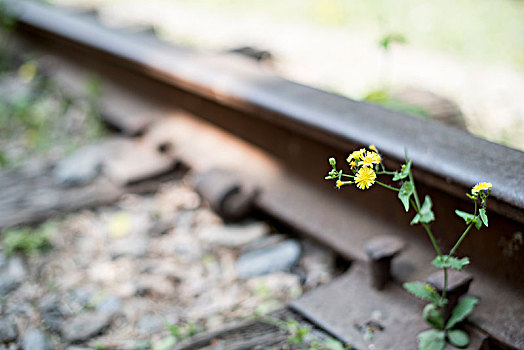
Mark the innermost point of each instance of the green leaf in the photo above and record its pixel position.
(422, 291)
(433, 316)
(478, 224)
(458, 337)
(405, 193)
(450, 262)
(483, 216)
(426, 214)
(461, 311)
(431, 339)
(404, 172)
(466, 216)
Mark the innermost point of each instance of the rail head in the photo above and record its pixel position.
(447, 158)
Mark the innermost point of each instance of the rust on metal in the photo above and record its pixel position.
(226, 194)
(381, 250)
(366, 318)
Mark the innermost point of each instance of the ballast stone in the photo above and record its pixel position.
(85, 326)
(36, 340)
(280, 257)
(234, 235)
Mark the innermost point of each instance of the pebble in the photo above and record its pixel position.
(81, 167)
(81, 296)
(234, 235)
(110, 305)
(318, 264)
(8, 284)
(133, 246)
(85, 326)
(36, 340)
(149, 324)
(280, 257)
(3, 261)
(16, 268)
(154, 285)
(8, 332)
(13, 275)
(51, 312)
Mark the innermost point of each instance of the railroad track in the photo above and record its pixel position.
(260, 142)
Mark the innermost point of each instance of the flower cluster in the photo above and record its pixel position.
(363, 164)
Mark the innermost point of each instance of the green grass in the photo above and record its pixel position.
(27, 240)
(36, 122)
(383, 98)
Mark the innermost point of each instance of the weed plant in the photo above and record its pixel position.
(364, 167)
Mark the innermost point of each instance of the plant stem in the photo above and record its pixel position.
(445, 282)
(387, 186)
(455, 247)
(428, 230)
(432, 238)
(452, 251)
(415, 194)
(460, 239)
(386, 172)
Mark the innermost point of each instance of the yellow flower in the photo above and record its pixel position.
(356, 155)
(370, 158)
(365, 178)
(339, 184)
(353, 164)
(373, 148)
(481, 186)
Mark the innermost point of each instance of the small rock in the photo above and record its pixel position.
(264, 242)
(16, 268)
(234, 235)
(85, 326)
(8, 284)
(154, 285)
(3, 261)
(15, 273)
(36, 340)
(51, 312)
(149, 324)
(134, 246)
(8, 332)
(280, 257)
(318, 263)
(81, 167)
(81, 296)
(110, 305)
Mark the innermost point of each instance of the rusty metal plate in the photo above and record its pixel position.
(366, 318)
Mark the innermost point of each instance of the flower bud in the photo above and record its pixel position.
(333, 162)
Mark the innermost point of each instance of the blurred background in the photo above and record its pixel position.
(397, 53)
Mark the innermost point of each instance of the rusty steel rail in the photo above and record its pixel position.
(284, 132)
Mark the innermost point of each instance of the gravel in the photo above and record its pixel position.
(113, 280)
